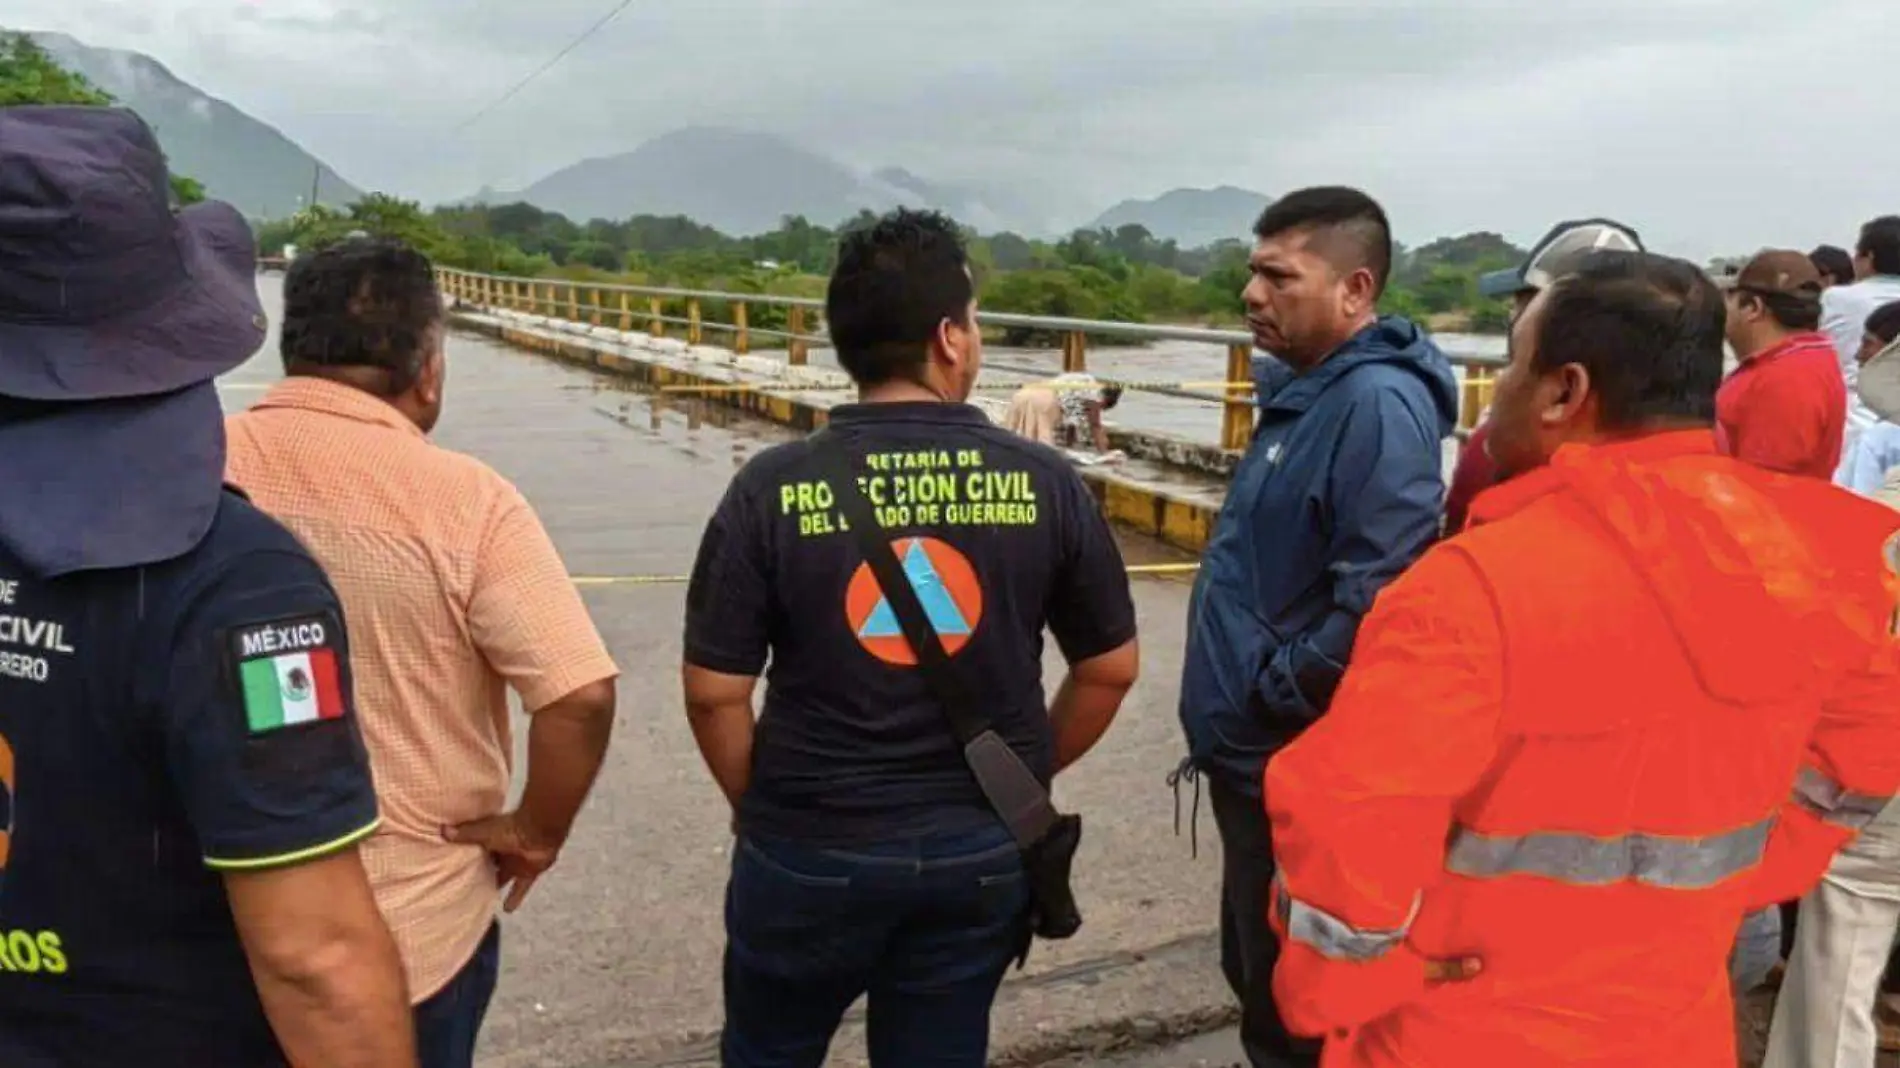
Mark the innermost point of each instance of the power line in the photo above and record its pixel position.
(599, 25)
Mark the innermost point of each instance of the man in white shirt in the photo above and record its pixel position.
(1844, 311)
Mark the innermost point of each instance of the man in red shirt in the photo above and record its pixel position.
(1785, 407)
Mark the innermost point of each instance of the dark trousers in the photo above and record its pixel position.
(926, 927)
(448, 1024)
(1248, 947)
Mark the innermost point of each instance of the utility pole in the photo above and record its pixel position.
(316, 182)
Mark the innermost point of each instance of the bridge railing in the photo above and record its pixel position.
(658, 310)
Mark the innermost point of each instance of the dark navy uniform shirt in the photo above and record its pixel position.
(159, 726)
(999, 537)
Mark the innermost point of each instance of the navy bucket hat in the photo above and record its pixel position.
(105, 291)
(116, 315)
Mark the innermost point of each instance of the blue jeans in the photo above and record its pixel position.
(448, 1024)
(926, 927)
(1757, 950)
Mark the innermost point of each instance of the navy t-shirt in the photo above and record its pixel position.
(159, 725)
(1000, 539)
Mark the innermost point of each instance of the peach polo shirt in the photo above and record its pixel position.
(452, 592)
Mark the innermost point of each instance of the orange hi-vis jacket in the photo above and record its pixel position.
(1652, 689)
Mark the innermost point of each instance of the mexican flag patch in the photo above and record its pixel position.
(288, 675)
(284, 691)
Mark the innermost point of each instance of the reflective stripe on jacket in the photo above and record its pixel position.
(1652, 689)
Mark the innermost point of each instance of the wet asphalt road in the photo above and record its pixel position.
(614, 961)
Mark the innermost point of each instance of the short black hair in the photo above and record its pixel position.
(1359, 235)
(364, 302)
(1647, 328)
(1111, 396)
(897, 280)
(1880, 243)
(1884, 322)
(1833, 260)
(1791, 311)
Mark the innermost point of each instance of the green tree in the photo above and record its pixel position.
(187, 190)
(1447, 289)
(29, 76)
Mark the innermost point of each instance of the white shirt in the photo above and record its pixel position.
(1844, 312)
(1876, 451)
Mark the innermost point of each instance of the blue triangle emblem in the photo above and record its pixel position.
(939, 607)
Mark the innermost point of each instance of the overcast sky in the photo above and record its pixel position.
(1711, 125)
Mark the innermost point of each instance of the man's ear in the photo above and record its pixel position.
(1362, 290)
(434, 371)
(1571, 392)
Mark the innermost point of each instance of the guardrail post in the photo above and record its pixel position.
(796, 351)
(488, 291)
(656, 316)
(693, 323)
(1236, 420)
(594, 301)
(1479, 385)
(626, 313)
(515, 299)
(741, 335)
(574, 302)
(1075, 351)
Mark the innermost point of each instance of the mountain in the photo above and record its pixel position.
(238, 158)
(736, 181)
(988, 210)
(1192, 217)
(741, 182)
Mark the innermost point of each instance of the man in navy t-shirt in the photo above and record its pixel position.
(868, 860)
(182, 783)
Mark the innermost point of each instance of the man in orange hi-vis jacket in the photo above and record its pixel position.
(1651, 689)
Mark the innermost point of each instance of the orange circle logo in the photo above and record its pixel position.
(945, 583)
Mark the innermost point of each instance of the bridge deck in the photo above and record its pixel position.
(615, 958)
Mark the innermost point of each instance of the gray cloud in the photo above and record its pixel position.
(1714, 125)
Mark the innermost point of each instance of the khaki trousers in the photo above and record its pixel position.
(1824, 1017)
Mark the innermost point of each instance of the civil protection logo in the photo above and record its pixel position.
(947, 586)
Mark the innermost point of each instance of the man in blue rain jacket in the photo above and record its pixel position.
(1340, 491)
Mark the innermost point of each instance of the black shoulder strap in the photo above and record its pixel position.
(834, 463)
(1018, 797)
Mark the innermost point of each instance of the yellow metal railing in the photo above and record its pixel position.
(685, 310)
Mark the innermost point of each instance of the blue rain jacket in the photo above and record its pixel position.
(1342, 488)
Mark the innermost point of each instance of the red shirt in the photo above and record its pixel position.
(1474, 474)
(1786, 409)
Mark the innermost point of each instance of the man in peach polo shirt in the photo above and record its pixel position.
(453, 594)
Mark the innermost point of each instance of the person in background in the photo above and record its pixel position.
(1836, 1007)
(456, 594)
(1064, 412)
(1556, 255)
(1785, 407)
(1835, 265)
(1845, 308)
(1522, 837)
(1339, 491)
(868, 860)
(181, 775)
(1876, 450)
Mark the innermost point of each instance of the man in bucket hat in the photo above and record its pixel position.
(182, 782)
